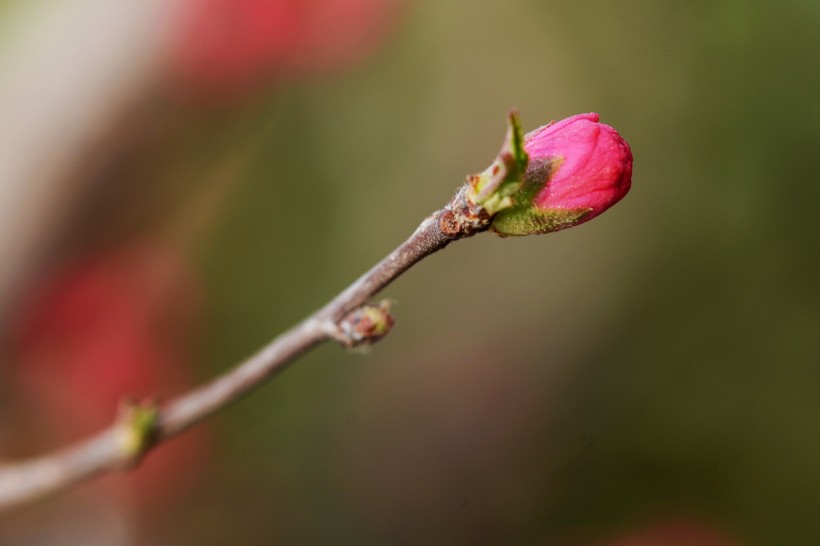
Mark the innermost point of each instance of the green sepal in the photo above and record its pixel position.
(516, 140)
(493, 189)
(531, 221)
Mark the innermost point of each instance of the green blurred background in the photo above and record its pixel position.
(657, 365)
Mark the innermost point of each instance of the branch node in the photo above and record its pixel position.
(463, 217)
(364, 325)
(136, 429)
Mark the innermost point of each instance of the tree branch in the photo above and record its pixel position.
(348, 318)
(513, 185)
(124, 443)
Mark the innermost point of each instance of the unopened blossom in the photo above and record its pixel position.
(577, 168)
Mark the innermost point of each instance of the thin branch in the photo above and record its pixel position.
(317, 328)
(125, 442)
(348, 318)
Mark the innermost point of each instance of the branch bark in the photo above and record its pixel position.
(124, 443)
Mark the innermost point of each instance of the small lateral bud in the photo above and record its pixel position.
(492, 190)
(365, 325)
(136, 427)
(485, 194)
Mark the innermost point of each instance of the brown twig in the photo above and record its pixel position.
(347, 319)
(141, 428)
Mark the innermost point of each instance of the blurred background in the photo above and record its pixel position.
(180, 181)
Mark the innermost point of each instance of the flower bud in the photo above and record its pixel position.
(577, 169)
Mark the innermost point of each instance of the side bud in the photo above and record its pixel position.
(492, 190)
(577, 169)
(365, 325)
(485, 194)
(137, 425)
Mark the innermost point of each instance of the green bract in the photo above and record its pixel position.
(494, 188)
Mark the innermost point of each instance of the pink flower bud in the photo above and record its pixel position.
(577, 169)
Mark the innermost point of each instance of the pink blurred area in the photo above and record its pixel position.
(228, 48)
(110, 325)
(106, 325)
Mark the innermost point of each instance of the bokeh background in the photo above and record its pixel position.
(183, 180)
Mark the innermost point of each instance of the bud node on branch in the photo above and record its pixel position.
(136, 431)
(365, 325)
